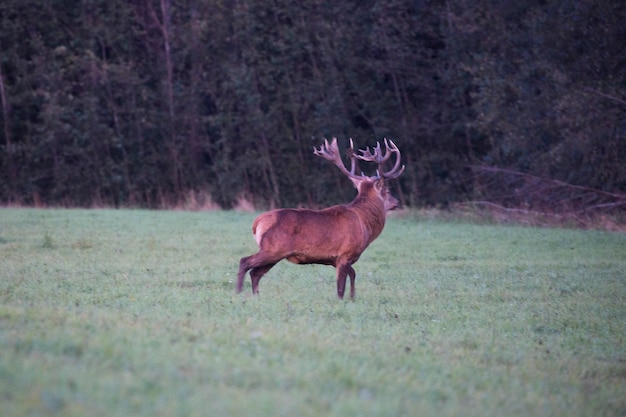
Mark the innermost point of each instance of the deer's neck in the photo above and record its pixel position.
(371, 213)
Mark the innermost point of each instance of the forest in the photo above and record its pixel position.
(153, 103)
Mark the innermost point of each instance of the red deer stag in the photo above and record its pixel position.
(334, 236)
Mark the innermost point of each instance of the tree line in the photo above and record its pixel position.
(145, 102)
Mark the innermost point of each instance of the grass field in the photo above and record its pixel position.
(120, 313)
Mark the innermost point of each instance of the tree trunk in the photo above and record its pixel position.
(165, 26)
(9, 151)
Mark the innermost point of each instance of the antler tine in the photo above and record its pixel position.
(352, 156)
(367, 155)
(397, 170)
(330, 152)
(380, 157)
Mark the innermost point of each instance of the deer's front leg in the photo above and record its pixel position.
(352, 274)
(343, 269)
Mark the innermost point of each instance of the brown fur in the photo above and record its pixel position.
(334, 236)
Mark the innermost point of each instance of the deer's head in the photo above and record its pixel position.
(370, 187)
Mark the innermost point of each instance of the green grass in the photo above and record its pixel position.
(118, 313)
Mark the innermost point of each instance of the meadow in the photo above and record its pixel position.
(133, 312)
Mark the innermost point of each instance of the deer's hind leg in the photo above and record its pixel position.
(256, 274)
(258, 264)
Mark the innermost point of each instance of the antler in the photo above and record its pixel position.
(381, 157)
(331, 153)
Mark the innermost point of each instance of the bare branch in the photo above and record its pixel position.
(608, 96)
(511, 192)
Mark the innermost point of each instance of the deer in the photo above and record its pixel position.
(334, 236)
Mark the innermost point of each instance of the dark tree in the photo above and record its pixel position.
(153, 103)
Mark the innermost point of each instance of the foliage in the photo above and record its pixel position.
(114, 313)
(140, 103)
